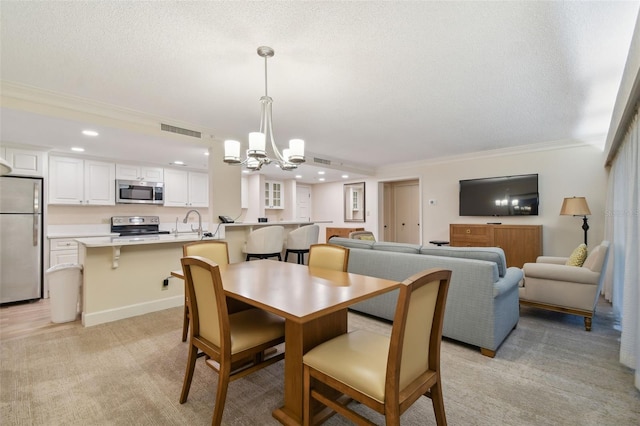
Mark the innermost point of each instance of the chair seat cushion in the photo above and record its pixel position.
(253, 327)
(358, 359)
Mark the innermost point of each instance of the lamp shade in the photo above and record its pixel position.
(575, 206)
(257, 145)
(296, 151)
(231, 151)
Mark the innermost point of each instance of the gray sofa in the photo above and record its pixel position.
(482, 304)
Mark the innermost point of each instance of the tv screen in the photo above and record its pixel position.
(500, 196)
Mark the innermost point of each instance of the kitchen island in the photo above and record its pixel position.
(129, 276)
(124, 276)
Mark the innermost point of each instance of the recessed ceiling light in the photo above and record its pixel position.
(179, 163)
(321, 172)
(77, 149)
(298, 176)
(206, 153)
(246, 171)
(90, 133)
(345, 176)
(321, 179)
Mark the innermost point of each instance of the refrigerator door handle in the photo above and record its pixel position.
(36, 213)
(36, 198)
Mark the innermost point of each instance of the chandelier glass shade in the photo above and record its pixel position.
(257, 155)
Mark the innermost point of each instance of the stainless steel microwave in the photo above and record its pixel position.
(139, 192)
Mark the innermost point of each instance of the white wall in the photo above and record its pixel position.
(328, 204)
(563, 172)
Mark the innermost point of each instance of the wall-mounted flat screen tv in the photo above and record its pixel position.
(500, 196)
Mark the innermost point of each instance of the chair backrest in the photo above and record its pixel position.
(417, 328)
(208, 307)
(303, 237)
(269, 239)
(329, 256)
(217, 251)
(362, 235)
(597, 262)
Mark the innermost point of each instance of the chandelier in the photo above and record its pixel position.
(256, 155)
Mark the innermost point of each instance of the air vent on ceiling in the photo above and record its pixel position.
(321, 161)
(180, 131)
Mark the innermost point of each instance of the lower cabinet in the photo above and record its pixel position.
(62, 250)
(521, 243)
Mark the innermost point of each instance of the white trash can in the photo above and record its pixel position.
(65, 281)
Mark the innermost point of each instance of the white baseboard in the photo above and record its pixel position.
(110, 315)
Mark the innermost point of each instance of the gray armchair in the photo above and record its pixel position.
(550, 284)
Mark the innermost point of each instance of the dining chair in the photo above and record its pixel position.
(299, 240)
(218, 252)
(385, 373)
(233, 344)
(264, 243)
(329, 256)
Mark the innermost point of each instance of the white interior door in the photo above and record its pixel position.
(303, 203)
(407, 209)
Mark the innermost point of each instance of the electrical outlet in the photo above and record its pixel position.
(165, 284)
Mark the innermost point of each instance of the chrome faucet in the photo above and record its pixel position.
(199, 222)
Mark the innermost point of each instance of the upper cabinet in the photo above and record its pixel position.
(81, 182)
(25, 162)
(182, 188)
(132, 172)
(273, 195)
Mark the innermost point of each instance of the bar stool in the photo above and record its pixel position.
(264, 243)
(299, 240)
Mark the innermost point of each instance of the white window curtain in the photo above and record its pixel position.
(623, 230)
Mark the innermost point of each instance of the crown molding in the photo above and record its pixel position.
(594, 141)
(45, 102)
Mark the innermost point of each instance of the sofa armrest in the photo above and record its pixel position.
(510, 280)
(547, 271)
(552, 259)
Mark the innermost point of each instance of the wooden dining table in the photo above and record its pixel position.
(313, 302)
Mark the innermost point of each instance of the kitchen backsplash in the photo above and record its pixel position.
(101, 215)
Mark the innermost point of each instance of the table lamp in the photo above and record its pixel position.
(577, 206)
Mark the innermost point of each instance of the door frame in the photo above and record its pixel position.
(381, 204)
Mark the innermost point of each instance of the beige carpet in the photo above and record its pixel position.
(548, 372)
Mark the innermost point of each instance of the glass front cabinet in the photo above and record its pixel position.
(273, 195)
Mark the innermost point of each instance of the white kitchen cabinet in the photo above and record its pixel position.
(25, 162)
(62, 250)
(273, 195)
(186, 189)
(81, 182)
(142, 173)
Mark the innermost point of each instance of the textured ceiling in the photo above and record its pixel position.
(372, 83)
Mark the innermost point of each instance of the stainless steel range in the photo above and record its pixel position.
(128, 226)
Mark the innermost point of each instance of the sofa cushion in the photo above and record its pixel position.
(351, 242)
(397, 247)
(491, 254)
(578, 256)
(595, 260)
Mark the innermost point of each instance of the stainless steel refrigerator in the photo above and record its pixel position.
(20, 239)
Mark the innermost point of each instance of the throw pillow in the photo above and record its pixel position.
(367, 237)
(578, 256)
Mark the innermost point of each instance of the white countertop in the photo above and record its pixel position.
(280, 222)
(52, 235)
(131, 241)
